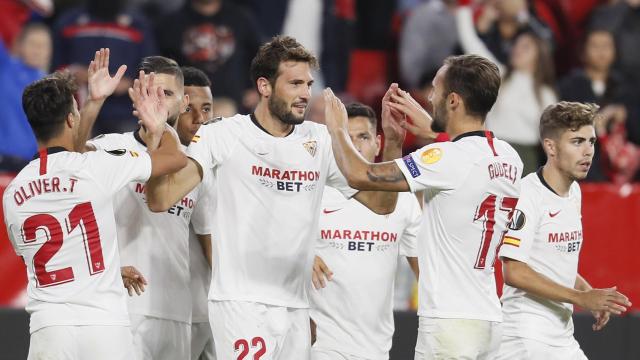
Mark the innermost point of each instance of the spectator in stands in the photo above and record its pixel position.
(429, 35)
(527, 88)
(79, 31)
(30, 63)
(217, 37)
(598, 83)
(223, 107)
(500, 22)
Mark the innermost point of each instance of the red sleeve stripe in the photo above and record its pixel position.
(43, 161)
(489, 137)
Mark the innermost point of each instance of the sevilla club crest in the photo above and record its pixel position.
(311, 147)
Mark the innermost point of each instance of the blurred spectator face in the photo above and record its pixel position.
(198, 112)
(291, 92)
(34, 48)
(633, 3)
(224, 107)
(574, 151)
(364, 138)
(511, 9)
(525, 52)
(599, 51)
(175, 97)
(316, 110)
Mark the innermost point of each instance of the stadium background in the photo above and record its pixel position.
(363, 46)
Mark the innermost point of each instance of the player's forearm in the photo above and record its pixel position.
(519, 275)
(582, 284)
(88, 115)
(392, 150)
(165, 190)
(352, 165)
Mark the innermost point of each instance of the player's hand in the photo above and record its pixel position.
(609, 300)
(320, 272)
(149, 103)
(133, 280)
(335, 114)
(101, 84)
(421, 121)
(602, 318)
(392, 118)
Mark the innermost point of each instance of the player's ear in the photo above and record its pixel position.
(264, 87)
(549, 147)
(185, 103)
(70, 121)
(378, 142)
(453, 100)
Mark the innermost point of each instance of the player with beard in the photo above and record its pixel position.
(541, 250)
(271, 167)
(157, 244)
(471, 186)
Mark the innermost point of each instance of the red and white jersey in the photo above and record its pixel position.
(267, 207)
(546, 234)
(59, 216)
(198, 266)
(354, 312)
(157, 244)
(471, 189)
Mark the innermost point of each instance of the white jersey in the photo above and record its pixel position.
(267, 207)
(354, 312)
(157, 244)
(546, 234)
(471, 189)
(198, 266)
(60, 219)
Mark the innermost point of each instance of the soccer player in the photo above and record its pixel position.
(358, 251)
(60, 219)
(198, 87)
(271, 167)
(157, 244)
(541, 250)
(471, 188)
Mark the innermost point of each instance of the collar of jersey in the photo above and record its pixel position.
(51, 150)
(256, 123)
(543, 181)
(473, 133)
(136, 135)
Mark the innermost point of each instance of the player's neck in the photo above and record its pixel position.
(463, 125)
(559, 182)
(270, 123)
(60, 141)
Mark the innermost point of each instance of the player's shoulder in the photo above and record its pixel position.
(236, 122)
(440, 154)
(113, 140)
(532, 188)
(312, 129)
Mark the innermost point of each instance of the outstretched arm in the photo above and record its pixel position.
(101, 85)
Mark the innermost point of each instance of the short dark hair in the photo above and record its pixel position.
(281, 48)
(566, 115)
(47, 103)
(475, 79)
(360, 109)
(161, 65)
(195, 77)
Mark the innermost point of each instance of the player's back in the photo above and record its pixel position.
(475, 183)
(59, 216)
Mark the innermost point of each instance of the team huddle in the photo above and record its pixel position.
(265, 236)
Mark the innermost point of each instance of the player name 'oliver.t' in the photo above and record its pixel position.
(42, 186)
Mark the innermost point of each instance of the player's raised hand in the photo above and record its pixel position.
(602, 318)
(133, 280)
(609, 300)
(420, 124)
(335, 113)
(320, 272)
(101, 84)
(149, 103)
(392, 119)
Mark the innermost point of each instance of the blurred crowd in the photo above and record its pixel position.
(547, 50)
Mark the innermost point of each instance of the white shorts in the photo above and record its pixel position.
(460, 339)
(517, 348)
(202, 347)
(324, 354)
(81, 342)
(247, 330)
(160, 339)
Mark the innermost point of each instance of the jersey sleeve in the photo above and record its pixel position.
(435, 166)
(517, 242)
(212, 144)
(107, 142)
(202, 214)
(113, 169)
(409, 240)
(10, 224)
